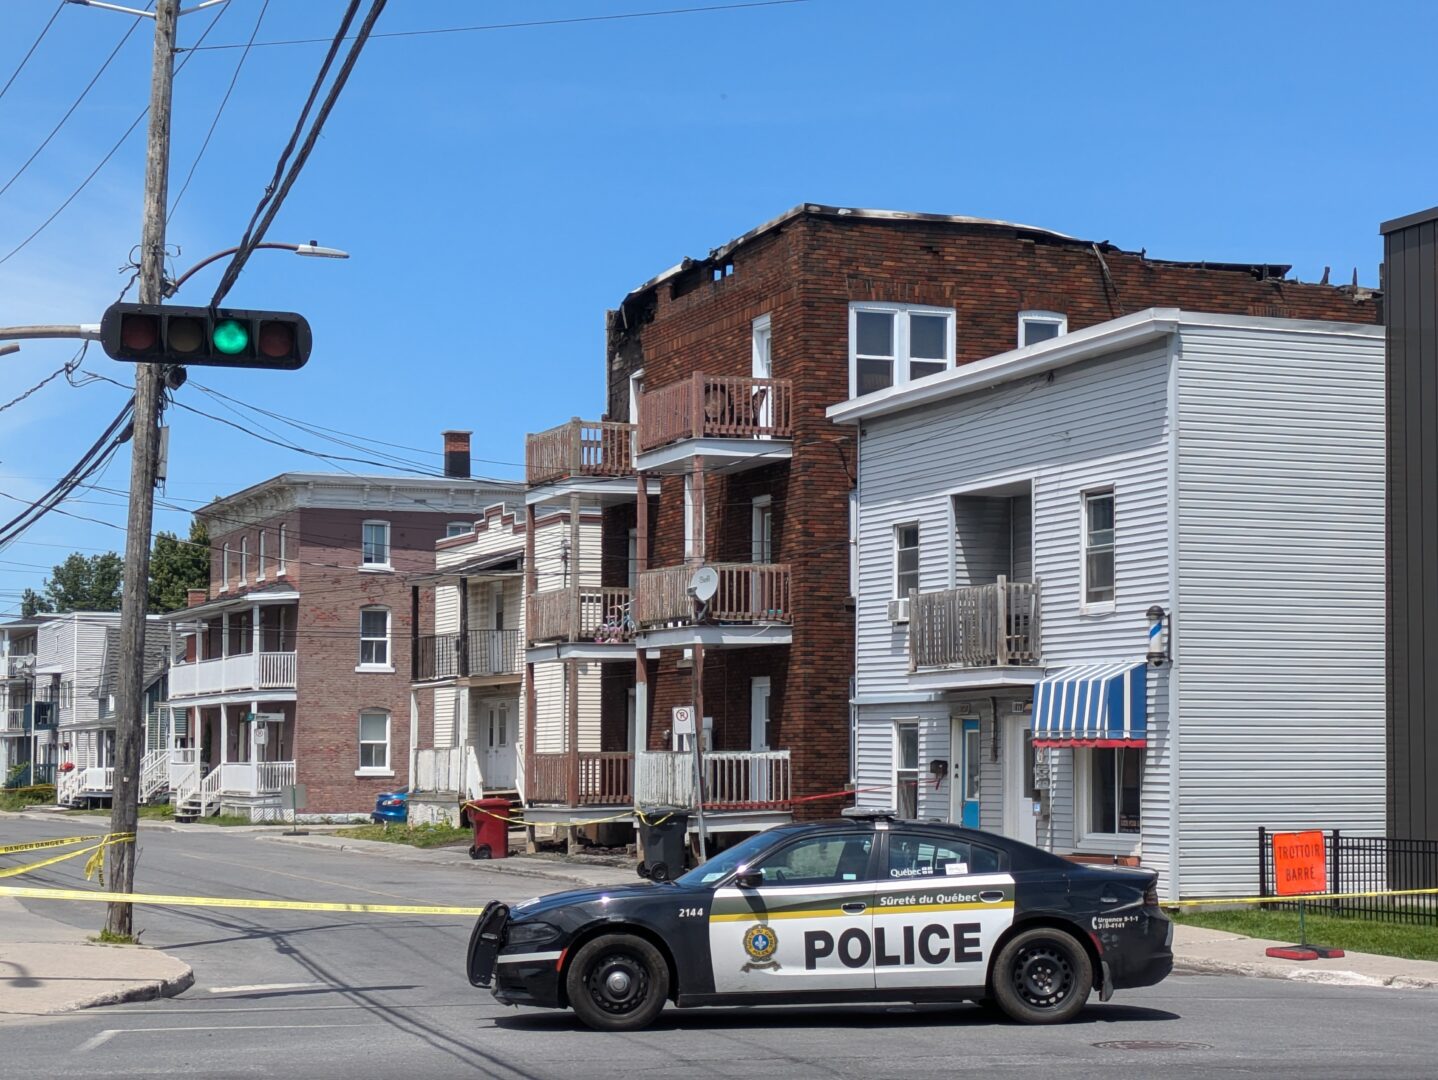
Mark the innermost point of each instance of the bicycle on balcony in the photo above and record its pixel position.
(618, 626)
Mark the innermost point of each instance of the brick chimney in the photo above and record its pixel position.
(456, 454)
(196, 596)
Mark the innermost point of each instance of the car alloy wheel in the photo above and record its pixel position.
(618, 983)
(1043, 975)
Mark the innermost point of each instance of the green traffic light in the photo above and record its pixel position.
(230, 337)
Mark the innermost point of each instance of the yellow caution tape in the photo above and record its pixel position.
(574, 823)
(222, 902)
(94, 866)
(1291, 899)
(36, 845)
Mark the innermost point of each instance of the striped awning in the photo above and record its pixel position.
(1094, 705)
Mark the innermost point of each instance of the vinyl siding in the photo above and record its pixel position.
(1280, 625)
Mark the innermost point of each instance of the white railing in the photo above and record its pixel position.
(275, 776)
(184, 770)
(67, 786)
(473, 774)
(244, 671)
(209, 790)
(97, 779)
(12, 720)
(733, 779)
(439, 768)
(254, 777)
(154, 774)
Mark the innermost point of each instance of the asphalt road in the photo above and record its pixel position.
(290, 994)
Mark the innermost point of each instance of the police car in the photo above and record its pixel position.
(862, 909)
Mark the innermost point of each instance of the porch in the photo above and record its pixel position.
(242, 673)
(592, 458)
(750, 607)
(251, 788)
(590, 614)
(977, 626)
(491, 655)
(740, 420)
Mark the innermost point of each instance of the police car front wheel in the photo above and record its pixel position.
(1042, 976)
(617, 982)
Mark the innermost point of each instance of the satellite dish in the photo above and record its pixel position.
(704, 584)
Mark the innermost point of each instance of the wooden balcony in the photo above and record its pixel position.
(716, 407)
(236, 673)
(601, 448)
(475, 654)
(733, 779)
(577, 614)
(997, 625)
(747, 593)
(604, 779)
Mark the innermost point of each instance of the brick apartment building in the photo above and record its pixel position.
(296, 662)
(719, 371)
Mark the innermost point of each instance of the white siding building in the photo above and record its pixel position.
(1227, 470)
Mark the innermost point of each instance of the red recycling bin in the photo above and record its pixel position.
(491, 828)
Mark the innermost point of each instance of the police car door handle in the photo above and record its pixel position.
(991, 896)
(854, 908)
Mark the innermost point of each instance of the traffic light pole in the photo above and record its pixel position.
(144, 460)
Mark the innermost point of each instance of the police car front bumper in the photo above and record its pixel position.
(531, 978)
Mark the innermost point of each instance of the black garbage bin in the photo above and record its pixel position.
(662, 836)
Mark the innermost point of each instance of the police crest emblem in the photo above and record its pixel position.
(761, 943)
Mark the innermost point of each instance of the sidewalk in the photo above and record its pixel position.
(562, 873)
(1217, 952)
(49, 967)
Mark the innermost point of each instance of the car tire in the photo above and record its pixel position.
(1042, 976)
(617, 982)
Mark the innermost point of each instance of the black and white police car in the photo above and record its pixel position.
(869, 908)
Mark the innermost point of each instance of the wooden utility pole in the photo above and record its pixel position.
(144, 453)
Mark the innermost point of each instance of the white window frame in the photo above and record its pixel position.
(636, 390)
(261, 570)
(1086, 606)
(761, 530)
(375, 770)
(280, 567)
(1051, 318)
(458, 528)
(902, 359)
(225, 567)
(245, 559)
(899, 770)
(1090, 841)
(387, 665)
(761, 348)
(365, 562)
(918, 548)
(693, 507)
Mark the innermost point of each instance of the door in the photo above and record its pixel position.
(968, 766)
(1020, 822)
(940, 906)
(761, 779)
(806, 927)
(499, 745)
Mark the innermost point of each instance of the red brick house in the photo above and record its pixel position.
(715, 451)
(296, 663)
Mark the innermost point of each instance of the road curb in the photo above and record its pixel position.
(146, 991)
(1322, 976)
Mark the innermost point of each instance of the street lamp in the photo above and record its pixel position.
(313, 250)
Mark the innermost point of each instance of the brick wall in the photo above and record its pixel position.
(803, 275)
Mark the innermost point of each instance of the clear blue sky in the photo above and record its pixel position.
(500, 189)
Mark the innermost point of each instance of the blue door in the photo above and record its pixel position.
(969, 774)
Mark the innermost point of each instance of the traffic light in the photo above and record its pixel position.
(213, 337)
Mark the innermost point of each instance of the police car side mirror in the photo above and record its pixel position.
(749, 879)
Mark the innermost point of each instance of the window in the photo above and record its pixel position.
(281, 568)
(244, 559)
(693, 508)
(263, 569)
(636, 388)
(375, 547)
(374, 741)
(973, 766)
(458, 528)
(906, 559)
(1115, 789)
(374, 638)
(906, 769)
(762, 349)
(225, 567)
(890, 345)
(1036, 326)
(914, 855)
(1098, 586)
(820, 860)
(762, 530)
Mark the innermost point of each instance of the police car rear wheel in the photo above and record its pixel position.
(618, 983)
(1042, 977)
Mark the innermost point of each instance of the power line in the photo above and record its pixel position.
(31, 51)
(528, 23)
(264, 7)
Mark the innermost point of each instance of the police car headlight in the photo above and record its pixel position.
(530, 933)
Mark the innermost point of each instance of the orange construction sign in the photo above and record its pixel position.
(1300, 863)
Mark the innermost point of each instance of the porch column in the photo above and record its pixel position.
(701, 548)
(413, 638)
(574, 603)
(255, 641)
(531, 727)
(463, 627)
(641, 563)
(224, 734)
(225, 633)
(254, 748)
(413, 732)
(571, 669)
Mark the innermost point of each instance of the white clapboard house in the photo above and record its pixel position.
(1032, 526)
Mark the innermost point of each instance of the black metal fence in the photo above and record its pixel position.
(482, 653)
(1366, 864)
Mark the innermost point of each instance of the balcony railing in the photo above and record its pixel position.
(14, 722)
(579, 448)
(551, 614)
(716, 407)
(733, 779)
(605, 779)
(976, 626)
(747, 593)
(484, 653)
(17, 666)
(243, 671)
(253, 777)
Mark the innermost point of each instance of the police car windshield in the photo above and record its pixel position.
(726, 862)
